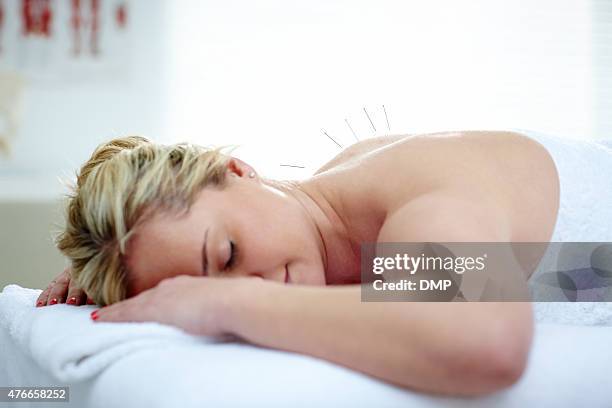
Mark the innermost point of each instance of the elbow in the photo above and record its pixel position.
(501, 369)
(499, 364)
(487, 354)
(475, 371)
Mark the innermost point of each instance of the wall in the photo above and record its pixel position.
(269, 75)
(62, 121)
(28, 255)
(64, 118)
(602, 67)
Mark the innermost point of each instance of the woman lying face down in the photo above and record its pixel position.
(192, 237)
(244, 228)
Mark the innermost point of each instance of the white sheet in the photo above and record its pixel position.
(46, 334)
(568, 366)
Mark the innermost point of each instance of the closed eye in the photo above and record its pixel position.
(232, 258)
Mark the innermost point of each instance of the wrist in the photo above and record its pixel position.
(245, 300)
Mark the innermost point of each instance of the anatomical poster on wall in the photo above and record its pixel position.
(65, 40)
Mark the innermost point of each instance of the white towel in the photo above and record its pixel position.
(63, 340)
(576, 314)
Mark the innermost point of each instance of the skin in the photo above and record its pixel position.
(295, 285)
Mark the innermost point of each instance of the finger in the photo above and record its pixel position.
(44, 295)
(76, 296)
(59, 290)
(111, 313)
(44, 298)
(117, 312)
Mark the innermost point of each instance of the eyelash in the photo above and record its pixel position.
(232, 258)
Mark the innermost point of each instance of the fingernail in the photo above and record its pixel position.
(71, 301)
(39, 303)
(90, 302)
(94, 315)
(53, 301)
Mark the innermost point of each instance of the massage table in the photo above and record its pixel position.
(152, 365)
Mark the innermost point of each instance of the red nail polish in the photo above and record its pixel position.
(90, 302)
(94, 315)
(40, 302)
(71, 301)
(53, 301)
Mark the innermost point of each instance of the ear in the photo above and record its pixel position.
(239, 168)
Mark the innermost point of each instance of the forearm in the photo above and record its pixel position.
(436, 347)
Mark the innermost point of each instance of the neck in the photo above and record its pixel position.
(330, 229)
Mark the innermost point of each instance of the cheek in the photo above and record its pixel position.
(275, 232)
(307, 272)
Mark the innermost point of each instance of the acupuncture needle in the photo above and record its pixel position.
(351, 128)
(331, 138)
(386, 118)
(292, 165)
(371, 123)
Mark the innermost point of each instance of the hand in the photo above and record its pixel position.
(198, 305)
(62, 288)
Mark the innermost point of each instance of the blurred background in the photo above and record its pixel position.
(279, 79)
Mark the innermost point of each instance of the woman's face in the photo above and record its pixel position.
(246, 228)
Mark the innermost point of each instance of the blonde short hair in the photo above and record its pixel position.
(124, 182)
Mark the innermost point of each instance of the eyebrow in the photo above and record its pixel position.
(204, 257)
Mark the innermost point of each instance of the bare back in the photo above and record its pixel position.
(505, 173)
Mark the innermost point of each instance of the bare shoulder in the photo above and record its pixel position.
(360, 148)
(470, 139)
(446, 215)
(505, 173)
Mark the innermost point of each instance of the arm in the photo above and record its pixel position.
(449, 348)
(456, 348)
